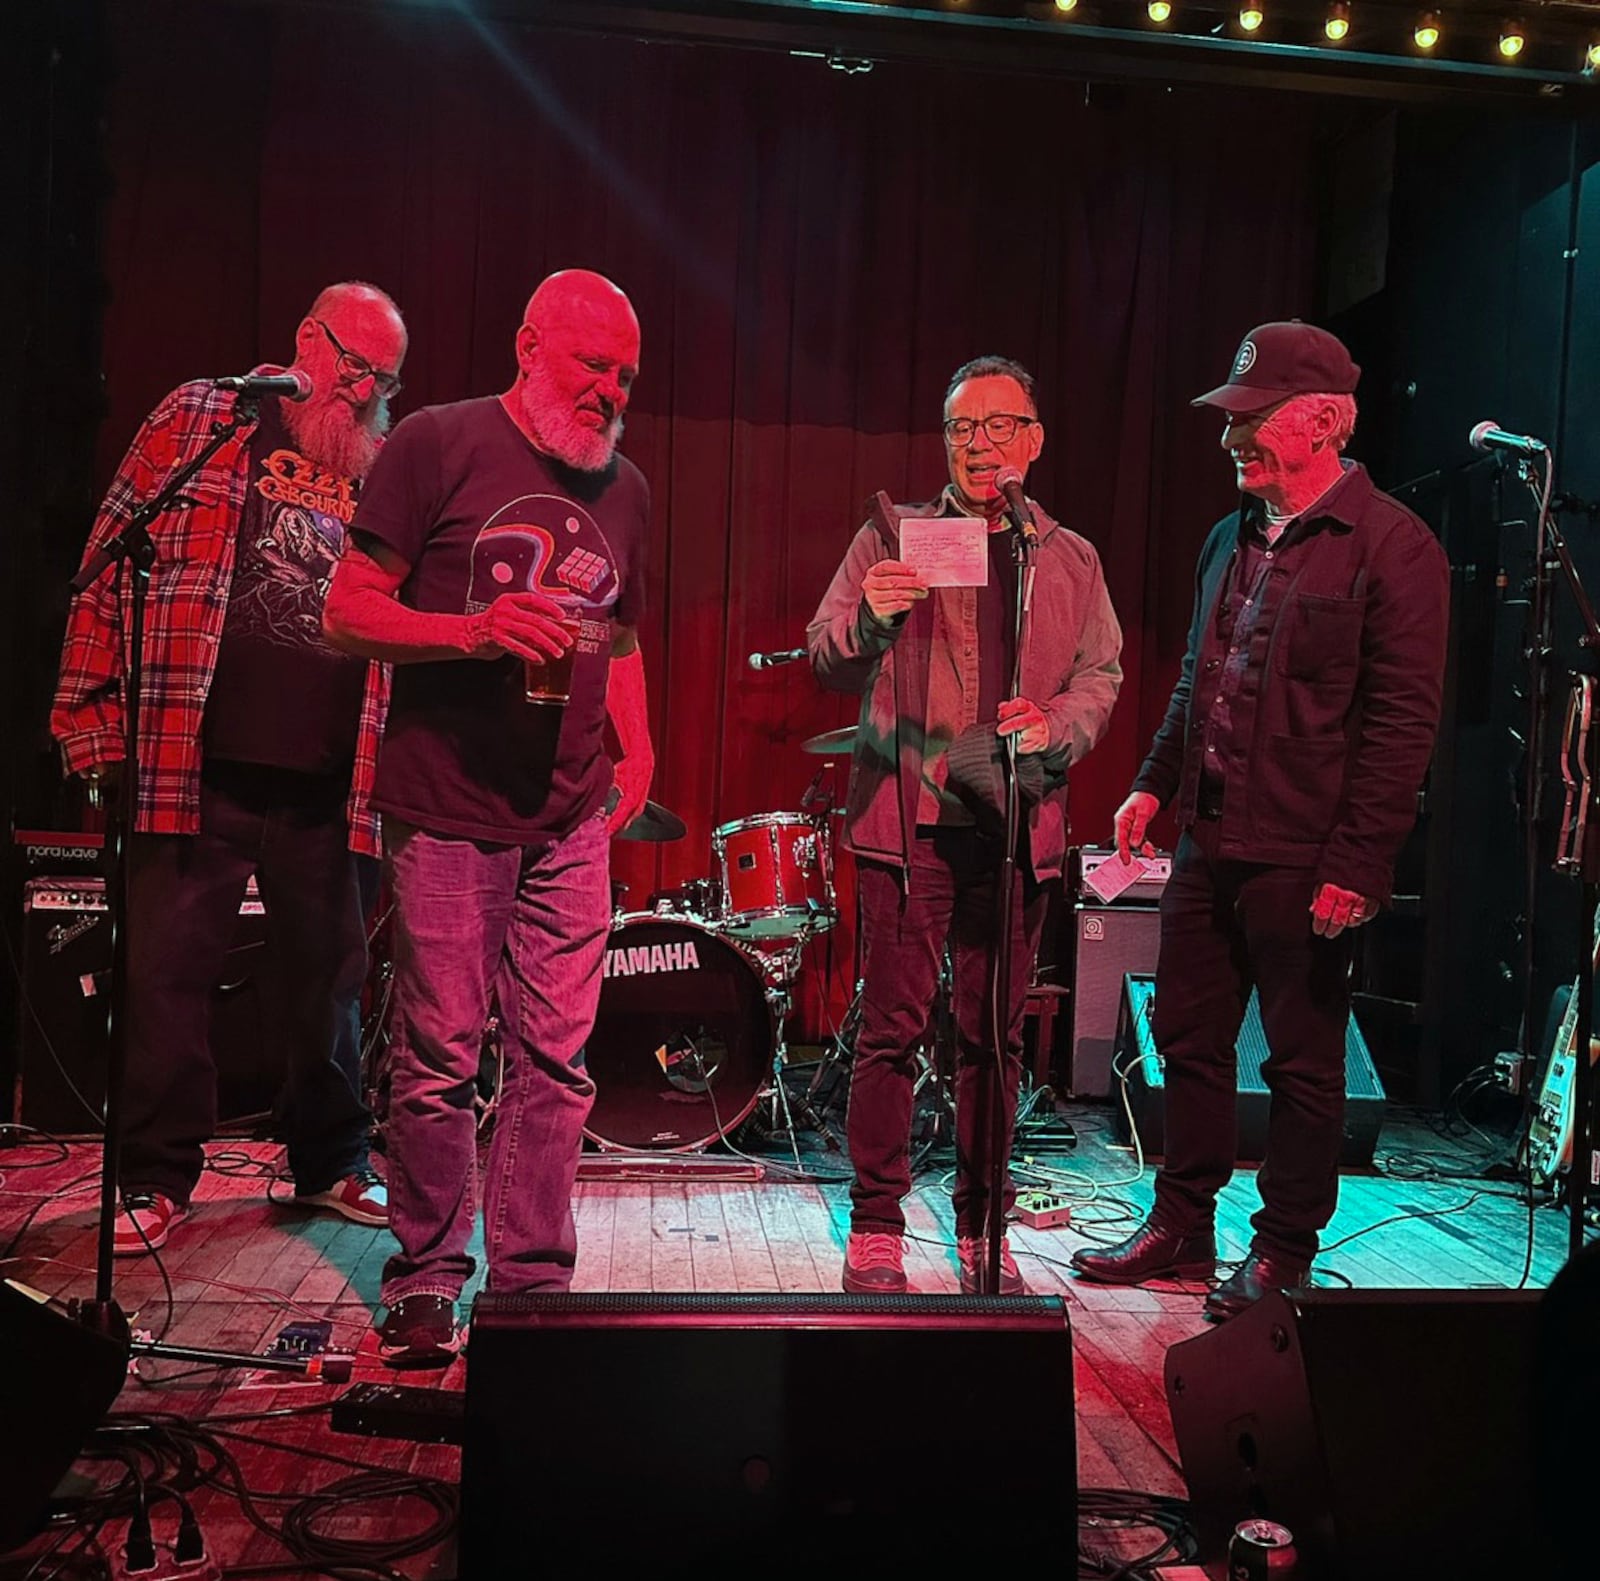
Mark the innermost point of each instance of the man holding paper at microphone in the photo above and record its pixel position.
(919, 621)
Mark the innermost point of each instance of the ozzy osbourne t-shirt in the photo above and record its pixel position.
(476, 511)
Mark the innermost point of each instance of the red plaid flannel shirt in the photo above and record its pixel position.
(184, 612)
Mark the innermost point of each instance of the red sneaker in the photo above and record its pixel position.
(874, 1264)
(143, 1223)
(361, 1197)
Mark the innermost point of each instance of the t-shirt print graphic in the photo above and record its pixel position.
(546, 544)
(287, 554)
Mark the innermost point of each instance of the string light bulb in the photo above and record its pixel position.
(1513, 38)
(1066, 5)
(1591, 56)
(1251, 17)
(1159, 10)
(1426, 32)
(1336, 27)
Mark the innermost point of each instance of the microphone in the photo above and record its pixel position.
(1490, 436)
(765, 661)
(292, 385)
(1008, 480)
(811, 789)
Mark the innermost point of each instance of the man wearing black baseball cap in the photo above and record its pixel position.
(1292, 751)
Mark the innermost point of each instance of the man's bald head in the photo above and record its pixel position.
(577, 357)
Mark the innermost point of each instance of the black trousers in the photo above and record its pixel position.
(184, 897)
(1228, 926)
(952, 893)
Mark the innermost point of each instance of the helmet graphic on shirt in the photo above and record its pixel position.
(543, 543)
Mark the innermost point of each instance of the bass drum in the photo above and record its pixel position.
(683, 1044)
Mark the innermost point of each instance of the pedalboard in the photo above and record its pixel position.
(1042, 1210)
(393, 1410)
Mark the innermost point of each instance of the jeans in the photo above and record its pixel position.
(184, 896)
(952, 893)
(1227, 926)
(525, 929)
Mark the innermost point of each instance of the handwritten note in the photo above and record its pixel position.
(946, 551)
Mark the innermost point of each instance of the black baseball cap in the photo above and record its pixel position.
(1285, 358)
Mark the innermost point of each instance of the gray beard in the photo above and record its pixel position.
(557, 431)
(333, 436)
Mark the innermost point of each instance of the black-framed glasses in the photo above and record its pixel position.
(1001, 428)
(353, 369)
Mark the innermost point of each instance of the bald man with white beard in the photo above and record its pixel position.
(499, 535)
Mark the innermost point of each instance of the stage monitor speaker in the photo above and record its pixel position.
(1389, 1430)
(59, 1379)
(695, 1434)
(1147, 1093)
(1111, 941)
(59, 1083)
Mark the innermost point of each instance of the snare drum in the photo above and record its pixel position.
(776, 877)
(683, 1043)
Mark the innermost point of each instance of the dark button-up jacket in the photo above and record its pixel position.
(1332, 724)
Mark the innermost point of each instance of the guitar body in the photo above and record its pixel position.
(1549, 1143)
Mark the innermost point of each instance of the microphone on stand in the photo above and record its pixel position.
(811, 789)
(1008, 481)
(1490, 436)
(291, 385)
(766, 661)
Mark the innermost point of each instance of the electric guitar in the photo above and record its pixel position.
(1549, 1142)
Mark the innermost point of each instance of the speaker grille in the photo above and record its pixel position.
(766, 1309)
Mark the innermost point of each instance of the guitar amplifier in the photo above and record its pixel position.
(1137, 1058)
(59, 1084)
(1143, 891)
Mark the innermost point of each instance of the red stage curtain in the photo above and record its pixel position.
(811, 254)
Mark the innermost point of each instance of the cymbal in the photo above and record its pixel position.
(653, 822)
(831, 743)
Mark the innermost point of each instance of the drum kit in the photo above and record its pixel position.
(697, 988)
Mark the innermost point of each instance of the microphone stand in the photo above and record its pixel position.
(1023, 546)
(134, 546)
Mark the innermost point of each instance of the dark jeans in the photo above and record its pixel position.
(184, 898)
(526, 928)
(952, 894)
(1225, 926)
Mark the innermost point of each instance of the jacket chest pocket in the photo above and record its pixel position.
(1319, 637)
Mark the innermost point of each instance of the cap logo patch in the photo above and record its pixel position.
(1246, 359)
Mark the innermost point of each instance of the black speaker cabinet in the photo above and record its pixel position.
(1147, 1092)
(696, 1435)
(1110, 942)
(60, 1079)
(62, 1380)
(1389, 1430)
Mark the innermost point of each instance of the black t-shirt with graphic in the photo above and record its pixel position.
(476, 511)
(280, 694)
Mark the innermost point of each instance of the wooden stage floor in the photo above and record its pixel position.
(241, 1269)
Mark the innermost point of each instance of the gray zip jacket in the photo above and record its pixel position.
(1070, 668)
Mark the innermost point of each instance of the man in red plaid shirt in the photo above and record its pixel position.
(256, 755)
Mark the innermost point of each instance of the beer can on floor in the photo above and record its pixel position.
(1261, 1551)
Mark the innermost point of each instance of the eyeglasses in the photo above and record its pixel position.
(353, 369)
(1001, 428)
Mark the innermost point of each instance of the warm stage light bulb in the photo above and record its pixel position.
(1250, 18)
(1337, 27)
(1066, 5)
(1591, 56)
(1159, 10)
(1427, 30)
(1512, 39)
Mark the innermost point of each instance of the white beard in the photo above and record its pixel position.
(557, 431)
(331, 434)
